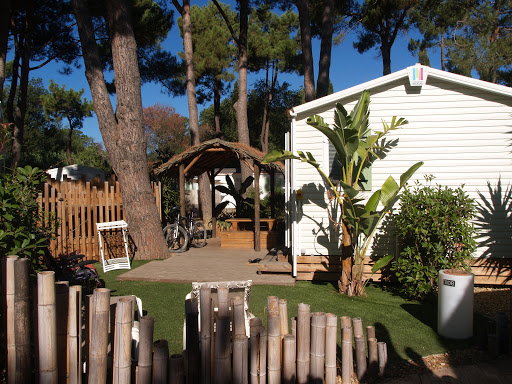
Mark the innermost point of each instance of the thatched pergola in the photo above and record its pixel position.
(212, 157)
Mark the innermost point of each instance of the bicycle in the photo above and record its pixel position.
(175, 235)
(178, 236)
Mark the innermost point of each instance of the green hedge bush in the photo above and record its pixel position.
(435, 232)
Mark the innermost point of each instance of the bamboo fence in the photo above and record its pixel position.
(96, 344)
(78, 205)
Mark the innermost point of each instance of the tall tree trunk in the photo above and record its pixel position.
(264, 143)
(385, 51)
(5, 16)
(217, 89)
(307, 51)
(324, 64)
(241, 107)
(21, 107)
(204, 183)
(443, 60)
(122, 131)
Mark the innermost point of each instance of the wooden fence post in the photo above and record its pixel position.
(147, 324)
(303, 343)
(255, 325)
(123, 341)
(238, 316)
(330, 348)
(47, 327)
(22, 324)
(373, 358)
(99, 336)
(283, 312)
(360, 357)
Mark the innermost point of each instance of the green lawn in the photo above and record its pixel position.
(408, 328)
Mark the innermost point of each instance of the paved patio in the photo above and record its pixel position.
(210, 263)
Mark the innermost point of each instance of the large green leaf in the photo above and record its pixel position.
(389, 190)
(318, 122)
(381, 263)
(407, 174)
(350, 191)
(277, 155)
(373, 201)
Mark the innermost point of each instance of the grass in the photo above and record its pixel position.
(408, 328)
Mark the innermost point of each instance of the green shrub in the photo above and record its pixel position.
(21, 230)
(435, 230)
(170, 199)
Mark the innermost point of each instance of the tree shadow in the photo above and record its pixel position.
(494, 225)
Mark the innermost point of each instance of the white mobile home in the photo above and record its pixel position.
(461, 128)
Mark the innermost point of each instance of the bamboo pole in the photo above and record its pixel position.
(123, 341)
(383, 357)
(10, 318)
(370, 332)
(274, 348)
(255, 324)
(89, 309)
(192, 320)
(360, 357)
(303, 342)
(75, 330)
(238, 317)
(99, 336)
(47, 331)
(205, 300)
(373, 358)
(346, 355)
(240, 350)
(22, 324)
(317, 354)
(160, 361)
(330, 348)
(345, 321)
(62, 306)
(223, 303)
(176, 370)
(272, 305)
(263, 356)
(357, 324)
(222, 370)
(145, 363)
(283, 312)
(294, 327)
(289, 356)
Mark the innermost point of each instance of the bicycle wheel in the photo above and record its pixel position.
(176, 240)
(198, 234)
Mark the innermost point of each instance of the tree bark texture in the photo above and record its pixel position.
(5, 16)
(385, 51)
(122, 131)
(307, 51)
(204, 184)
(21, 108)
(324, 64)
(241, 105)
(217, 89)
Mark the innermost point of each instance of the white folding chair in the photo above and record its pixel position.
(113, 263)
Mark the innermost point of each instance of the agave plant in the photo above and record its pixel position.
(357, 147)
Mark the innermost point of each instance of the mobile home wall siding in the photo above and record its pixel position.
(462, 135)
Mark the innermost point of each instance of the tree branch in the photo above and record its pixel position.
(228, 23)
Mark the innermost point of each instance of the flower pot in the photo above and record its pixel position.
(455, 304)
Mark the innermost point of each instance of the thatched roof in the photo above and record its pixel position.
(211, 154)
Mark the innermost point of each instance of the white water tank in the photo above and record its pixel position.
(455, 304)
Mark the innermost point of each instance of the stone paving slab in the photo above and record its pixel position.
(210, 263)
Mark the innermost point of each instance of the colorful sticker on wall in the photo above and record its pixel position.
(418, 75)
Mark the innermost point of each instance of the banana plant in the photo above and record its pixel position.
(357, 147)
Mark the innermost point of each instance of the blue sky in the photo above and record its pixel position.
(348, 68)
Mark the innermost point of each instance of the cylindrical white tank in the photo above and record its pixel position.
(455, 304)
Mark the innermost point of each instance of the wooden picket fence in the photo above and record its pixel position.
(78, 205)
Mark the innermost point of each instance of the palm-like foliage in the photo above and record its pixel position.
(356, 147)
